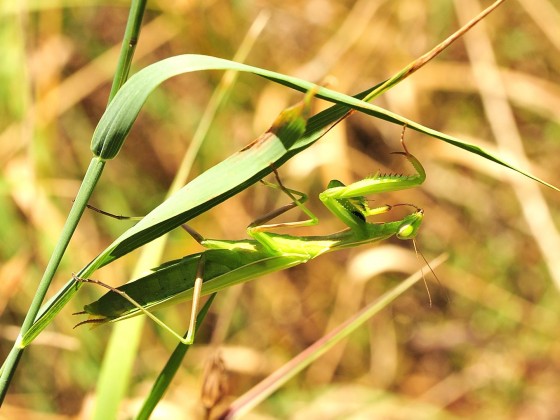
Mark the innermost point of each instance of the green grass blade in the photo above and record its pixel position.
(247, 166)
(170, 369)
(122, 112)
(109, 390)
(236, 173)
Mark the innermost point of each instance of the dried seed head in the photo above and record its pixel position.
(215, 385)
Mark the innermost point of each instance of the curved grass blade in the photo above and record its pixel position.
(119, 117)
(236, 173)
(250, 164)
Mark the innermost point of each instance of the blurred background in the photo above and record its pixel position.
(487, 346)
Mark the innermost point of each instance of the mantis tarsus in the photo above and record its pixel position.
(228, 262)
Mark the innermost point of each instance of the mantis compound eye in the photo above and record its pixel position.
(410, 226)
(406, 231)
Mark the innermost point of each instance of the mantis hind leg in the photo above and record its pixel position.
(112, 215)
(261, 225)
(197, 291)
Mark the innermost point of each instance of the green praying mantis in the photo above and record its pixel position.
(228, 262)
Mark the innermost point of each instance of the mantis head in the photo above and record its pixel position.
(408, 229)
(410, 224)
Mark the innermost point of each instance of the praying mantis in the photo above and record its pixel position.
(228, 262)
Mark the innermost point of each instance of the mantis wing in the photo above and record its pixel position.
(173, 281)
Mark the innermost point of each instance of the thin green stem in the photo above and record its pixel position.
(130, 39)
(88, 185)
(90, 181)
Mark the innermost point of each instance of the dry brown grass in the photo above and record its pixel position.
(488, 346)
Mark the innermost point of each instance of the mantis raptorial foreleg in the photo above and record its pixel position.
(230, 262)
